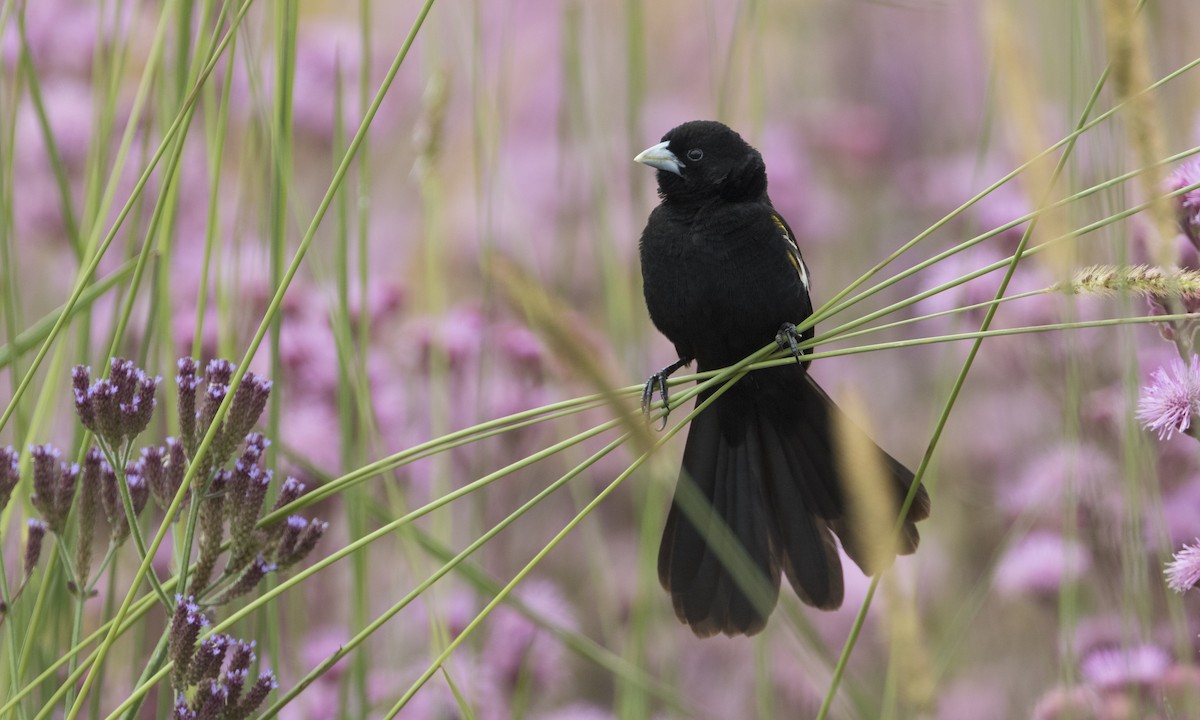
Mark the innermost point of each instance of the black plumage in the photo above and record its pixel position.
(721, 275)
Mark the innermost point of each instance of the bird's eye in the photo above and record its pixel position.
(695, 154)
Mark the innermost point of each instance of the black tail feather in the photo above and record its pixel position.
(822, 415)
(764, 456)
(804, 544)
(704, 593)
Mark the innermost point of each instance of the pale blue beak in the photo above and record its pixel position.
(660, 158)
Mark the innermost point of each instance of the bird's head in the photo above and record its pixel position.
(704, 160)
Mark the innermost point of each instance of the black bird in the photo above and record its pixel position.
(722, 276)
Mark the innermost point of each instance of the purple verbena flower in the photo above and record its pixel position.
(255, 445)
(114, 506)
(211, 701)
(183, 711)
(249, 401)
(212, 527)
(299, 538)
(1183, 572)
(248, 491)
(9, 475)
(241, 656)
(81, 380)
(53, 486)
(219, 372)
(45, 478)
(206, 664)
(123, 374)
(68, 480)
(89, 500)
(186, 624)
(289, 536)
(234, 682)
(252, 501)
(239, 480)
(117, 408)
(176, 466)
(223, 442)
(110, 500)
(140, 409)
(214, 395)
(154, 471)
(33, 544)
(139, 490)
(1172, 398)
(310, 537)
(104, 395)
(289, 492)
(188, 382)
(258, 440)
(249, 579)
(248, 461)
(254, 696)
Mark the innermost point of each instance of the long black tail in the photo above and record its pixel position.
(764, 456)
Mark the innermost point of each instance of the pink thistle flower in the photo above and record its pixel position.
(1183, 573)
(515, 645)
(1073, 702)
(578, 711)
(1117, 667)
(1042, 485)
(1189, 202)
(1180, 513)
(1186, 175)
(1041, 563)
(1173, 396)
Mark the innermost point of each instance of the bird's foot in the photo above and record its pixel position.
(788, 339)
(658, 383)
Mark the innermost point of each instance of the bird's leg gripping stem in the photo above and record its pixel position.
(788, 339)
(658, 382)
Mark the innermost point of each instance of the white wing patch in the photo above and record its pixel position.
(793, 251)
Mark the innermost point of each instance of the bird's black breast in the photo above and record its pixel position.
(719, 280)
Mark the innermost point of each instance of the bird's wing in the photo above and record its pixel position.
(792, 248)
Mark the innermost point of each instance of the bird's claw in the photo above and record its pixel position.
(658, 383)
(788, 339)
